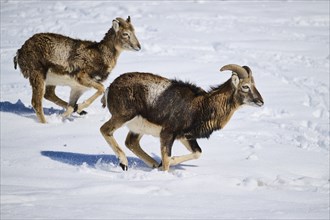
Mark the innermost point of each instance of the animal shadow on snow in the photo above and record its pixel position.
(92, 161)
(19, 108)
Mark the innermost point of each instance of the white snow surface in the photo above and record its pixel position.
(267, 163)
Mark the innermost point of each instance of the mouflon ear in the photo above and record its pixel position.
(235, 80)
(115, 25)
(128, 20)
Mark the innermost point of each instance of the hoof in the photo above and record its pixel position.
(123, 166)
(75, 109)
(82, 112)
(161, 164)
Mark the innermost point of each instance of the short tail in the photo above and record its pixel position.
(15, 61)
(105, 98)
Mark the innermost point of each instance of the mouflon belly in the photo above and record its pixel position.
(140, 125)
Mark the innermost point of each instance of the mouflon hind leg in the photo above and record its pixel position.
(133, 143)
(107, 130)
(38, 90)
(51, 96)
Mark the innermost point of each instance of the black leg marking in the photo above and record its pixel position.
(75, 108)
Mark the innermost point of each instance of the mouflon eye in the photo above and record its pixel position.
(126, 35)
(245, 88)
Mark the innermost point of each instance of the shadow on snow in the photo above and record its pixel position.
(93, 161)
(78, 159)
(20, 109)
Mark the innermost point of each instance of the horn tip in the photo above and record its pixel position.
(224, 68)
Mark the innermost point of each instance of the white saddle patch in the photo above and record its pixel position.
(155, 90)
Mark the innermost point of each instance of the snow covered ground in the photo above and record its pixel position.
(268, 163)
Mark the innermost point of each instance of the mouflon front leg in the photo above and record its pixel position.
(193, 147)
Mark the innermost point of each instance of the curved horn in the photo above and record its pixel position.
(241, 72)
(248, 70)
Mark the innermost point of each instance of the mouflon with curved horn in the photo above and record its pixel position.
(173, 110)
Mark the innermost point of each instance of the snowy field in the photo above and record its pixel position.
(268, 163)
